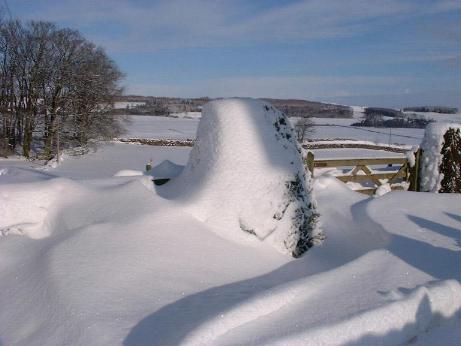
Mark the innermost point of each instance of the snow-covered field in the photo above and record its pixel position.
(325, 128)
(129, 104)
(161, 127)
(87, 258)
(438, 117)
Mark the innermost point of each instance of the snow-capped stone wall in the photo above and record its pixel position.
(433, 155)
(246, 178)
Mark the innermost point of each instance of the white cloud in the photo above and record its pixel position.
(153, 25)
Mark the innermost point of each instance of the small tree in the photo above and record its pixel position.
(440, 165)
(304, 127)
(451, 162)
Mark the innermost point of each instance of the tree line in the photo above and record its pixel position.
(56, 89)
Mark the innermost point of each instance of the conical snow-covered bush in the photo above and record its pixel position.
(441, 158)
(245, 177)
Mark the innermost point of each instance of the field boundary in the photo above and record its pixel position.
(157, 142)
(326, 145)
(353, 146)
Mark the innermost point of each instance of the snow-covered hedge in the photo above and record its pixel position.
(245, 176)
(441, 158)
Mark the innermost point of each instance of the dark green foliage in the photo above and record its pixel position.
(303, 108)
(374, 120)
(435, 109)
(386, 112)
(281, 125)
(451, 162)
(305, 218)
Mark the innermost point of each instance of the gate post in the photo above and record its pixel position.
(310, 162)
(414, 172)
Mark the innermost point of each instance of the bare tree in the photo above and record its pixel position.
(304, 127)
(56, 82)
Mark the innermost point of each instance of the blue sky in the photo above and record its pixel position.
(380, 52)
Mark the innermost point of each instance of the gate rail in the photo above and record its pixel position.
(405, 173)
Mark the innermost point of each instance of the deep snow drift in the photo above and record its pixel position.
(91, 259)
(245, 177)
(30, 208)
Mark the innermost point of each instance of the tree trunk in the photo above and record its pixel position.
(27, 141)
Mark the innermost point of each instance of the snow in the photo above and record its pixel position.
(156, 127)
(161, 127)
(355, 142)
(431, 157)
(383, 189)
(437, 117)
(247, 152)
(87, 258)
(128, 173)
(410, 156)
(352, 153)
(127, 104)
(112, 158)
(187, 115)
(91, 281)
(167, 169)
(25, 208)
(442, 298)
(375, 135)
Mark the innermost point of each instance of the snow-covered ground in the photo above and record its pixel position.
(119, 264)
(352, 153)
(184, 126)
(187, 115)
(87, 258)
(438, 117)
(161, 127)
(128, 104)
(325, 128)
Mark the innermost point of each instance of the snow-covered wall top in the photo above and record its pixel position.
(245, 176)
(127, 104)
(431, 145)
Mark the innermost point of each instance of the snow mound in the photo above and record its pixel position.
(382, 190)
(245, 176)
(30, 208)
(410, 313)
(167, 169)
(410, 156)
(128, 173)
(23, 174)
(431, 158)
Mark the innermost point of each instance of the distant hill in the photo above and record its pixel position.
(385, 112)
(291, 107)
(433, 109)
(303, 108)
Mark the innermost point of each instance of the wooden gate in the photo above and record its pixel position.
(361, 171)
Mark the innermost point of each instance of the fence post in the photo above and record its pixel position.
(310, 162)
(149, 165)
(414, 172)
